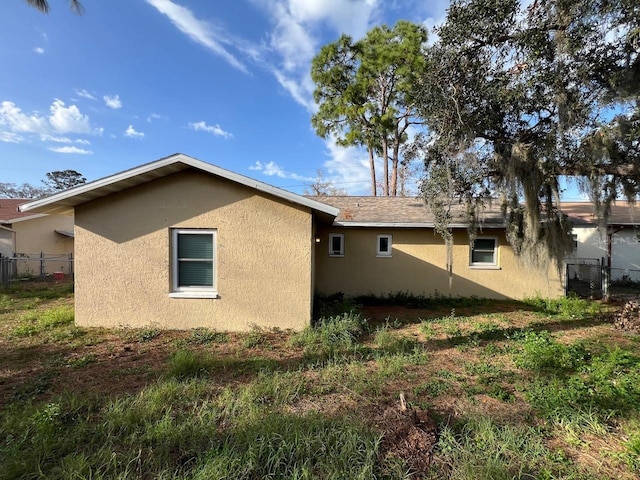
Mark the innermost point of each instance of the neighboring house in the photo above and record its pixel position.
(616, 245)
(36, 235)
(180, 243)
(7, 242)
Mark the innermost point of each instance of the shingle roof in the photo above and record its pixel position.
(9, 209)
(412, 212)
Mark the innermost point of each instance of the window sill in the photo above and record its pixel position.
(193, 295)
(336, 256)
(384, 256)
(485, 267)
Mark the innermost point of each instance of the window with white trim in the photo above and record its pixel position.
(193, 262)
(336, 245)
(484, 252)
(384, 246)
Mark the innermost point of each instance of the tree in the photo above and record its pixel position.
(61, 180)
(55, 181)
(43, 6)
(12, 190)
(515, 97)
(322, 187)
(365, 94)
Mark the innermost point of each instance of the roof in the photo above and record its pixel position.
(413, 212)
(622, 213)
(64, 202)
(400, 212)
(9, 209)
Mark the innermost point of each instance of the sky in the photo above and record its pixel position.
(132, 81)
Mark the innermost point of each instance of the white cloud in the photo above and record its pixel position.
(83, 93)
(213, 129)
(199, 31)
(155, 116)
(69, 119)
(39, 50)
(17, 121)
(272, 169)
(349, 168)
(112, 102)
(295, 39)
(132, 132)
(55, 139)
(10, 137)
(72, 150)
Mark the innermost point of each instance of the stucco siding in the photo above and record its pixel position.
(418, 266)
(123, 257)
(39, 234)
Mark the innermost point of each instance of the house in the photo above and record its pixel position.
(39, 239)
(616, 245)
(7, 241)
(180, 243)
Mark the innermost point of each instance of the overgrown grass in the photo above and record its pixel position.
(511, 399)
(35, 322)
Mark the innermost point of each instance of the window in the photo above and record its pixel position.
(193, 263)
(383, 247)
(484, 252)
(336, 245)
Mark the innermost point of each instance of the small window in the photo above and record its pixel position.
(383, 248)
(574, 237)
(484, 252)
(193, 262)
(336, 245)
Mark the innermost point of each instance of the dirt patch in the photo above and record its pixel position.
(410, 434)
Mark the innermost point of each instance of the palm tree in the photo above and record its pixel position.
(43, 5)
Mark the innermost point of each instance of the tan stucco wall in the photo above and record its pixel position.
(38, 235)
(264, 256)
(418, 266)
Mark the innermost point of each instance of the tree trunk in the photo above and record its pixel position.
(385, 161)
(394, 165)
(372, 168)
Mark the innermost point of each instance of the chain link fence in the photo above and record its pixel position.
(587, 277)
(35, 266)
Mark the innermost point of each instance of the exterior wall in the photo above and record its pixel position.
(625, 249)
(38, 235)
(263, 257)
(418, 266)
(7, 242)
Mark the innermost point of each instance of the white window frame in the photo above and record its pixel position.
(178, 291)
(486, 265)
(384, 253)
(340, 252)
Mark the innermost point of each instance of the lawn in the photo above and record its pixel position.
(501, 390)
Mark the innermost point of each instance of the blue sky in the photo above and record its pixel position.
(131, 81)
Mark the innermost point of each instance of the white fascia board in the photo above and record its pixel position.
(186, 160)
(24, 219)
(405, 225)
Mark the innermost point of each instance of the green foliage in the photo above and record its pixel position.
(541, 353)
(406, 299)
(331, 336)
(364, 90)
(481, 448)
(205, 336)
(570, 307)
(254, 338)
(517, 94)
(36, 322)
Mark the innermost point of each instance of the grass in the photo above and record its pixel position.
(539, 389)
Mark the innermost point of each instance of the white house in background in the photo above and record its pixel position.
(617, 246)
(7, 241)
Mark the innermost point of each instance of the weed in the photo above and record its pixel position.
(570, 307)
(255, 338)
(332, 336)
(204, 336)
(82, 361)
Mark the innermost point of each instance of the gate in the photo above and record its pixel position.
(584, 277)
